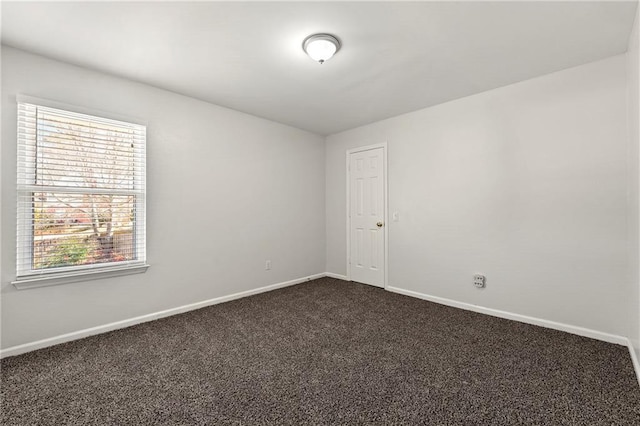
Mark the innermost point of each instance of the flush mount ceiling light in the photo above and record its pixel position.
(321, 47)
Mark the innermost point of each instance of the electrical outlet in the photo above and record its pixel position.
(479, 280)
(267, 265)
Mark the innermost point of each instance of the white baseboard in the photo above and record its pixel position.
(32, 346)
(634, 360)
(336, 276)
(580, 331)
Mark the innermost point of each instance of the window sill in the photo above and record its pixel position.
(72, 277)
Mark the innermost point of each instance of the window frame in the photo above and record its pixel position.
(29, 277)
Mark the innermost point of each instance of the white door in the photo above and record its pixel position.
(367, 216)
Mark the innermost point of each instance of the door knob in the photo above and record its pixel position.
(379, 224)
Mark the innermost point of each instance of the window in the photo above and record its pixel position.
(81, 194)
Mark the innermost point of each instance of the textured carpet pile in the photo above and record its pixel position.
(324, 352)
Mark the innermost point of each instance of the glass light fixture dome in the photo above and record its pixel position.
(321, 47)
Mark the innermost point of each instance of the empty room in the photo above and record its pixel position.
(320, 213)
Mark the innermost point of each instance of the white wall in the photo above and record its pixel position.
(526, 184)
(226, 191)
(633, 97)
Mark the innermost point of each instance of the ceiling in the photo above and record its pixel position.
(396, 56)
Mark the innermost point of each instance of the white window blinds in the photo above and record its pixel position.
(81, 192)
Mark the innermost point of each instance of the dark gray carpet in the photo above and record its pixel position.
(324, 352)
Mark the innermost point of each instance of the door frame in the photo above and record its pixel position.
(385, 211)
